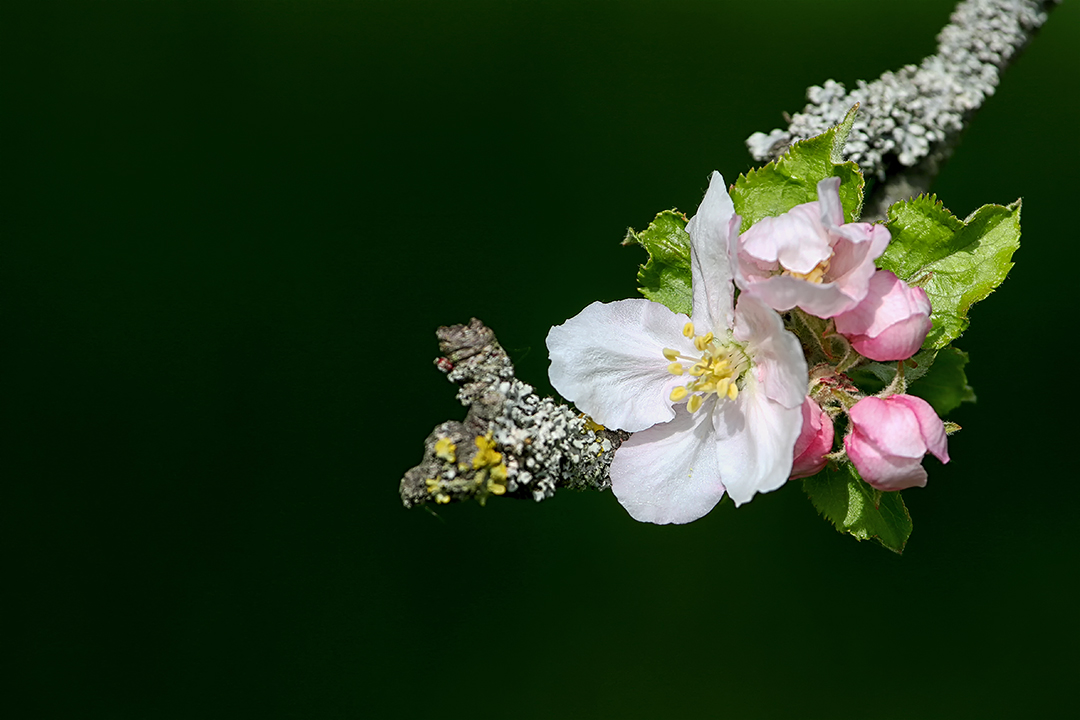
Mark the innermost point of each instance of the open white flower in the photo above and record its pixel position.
(714, 400)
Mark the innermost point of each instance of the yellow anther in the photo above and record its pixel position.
(816, 274)
(722, 387)
(695, 404)
(678, 394)
(675, 369)
(445, 449)
(706, 386)
(688, 330)
(732, 391)
(699, 342)
(671, 354)
(697, 370)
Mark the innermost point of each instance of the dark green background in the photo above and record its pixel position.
(230, 230)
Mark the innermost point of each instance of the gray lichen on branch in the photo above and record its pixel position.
(910, 120)
(512, 442)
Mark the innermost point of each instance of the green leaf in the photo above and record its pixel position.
(792, 179)
(665, 278)
(957, 263)
(945, 386)
(854, 507)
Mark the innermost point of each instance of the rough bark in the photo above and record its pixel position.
(539, 445)
(910, 121)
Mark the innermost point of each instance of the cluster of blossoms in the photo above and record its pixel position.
(723, 400)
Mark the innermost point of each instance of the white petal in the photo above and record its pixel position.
(832, 211)
(669, 473)
(711, 273)
(608, 360)
(779, 363)
(755, 442)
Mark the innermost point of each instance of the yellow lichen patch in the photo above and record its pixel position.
(497, 480)
(432, 484)
(486, 455)
(590, 424)
(446, 449)
(442, 499)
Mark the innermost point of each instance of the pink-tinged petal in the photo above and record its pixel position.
(710, 269)
(899, 341)
(783, 292)
(888, 299)
(891, 322)
(814, 442)
(828, 193)
(881, 470)
(755, 438)
(889, 425)
(608, 360)
(796, 240)
(930, 425)
(668, 473)
(777, 355)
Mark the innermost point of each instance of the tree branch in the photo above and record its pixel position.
(512, 442)
(910, 121)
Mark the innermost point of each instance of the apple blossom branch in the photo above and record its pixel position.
(515, 443)
(909, 121)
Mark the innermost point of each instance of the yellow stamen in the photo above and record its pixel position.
(675, 369)
(671, 354)
(732, 391)
(694, 404)
(688, 330)
(697, 370)
(678, 394)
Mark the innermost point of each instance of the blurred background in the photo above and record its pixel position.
(231, 229)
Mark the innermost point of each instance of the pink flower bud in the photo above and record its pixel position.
(891, 322)
(889, 437)
(814, 442)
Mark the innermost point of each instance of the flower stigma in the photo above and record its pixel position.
(718, 370)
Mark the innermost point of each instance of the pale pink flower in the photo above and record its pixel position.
(891, 322)
(808, 257)
(814, 442)
(889, 437)
(713, 399)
